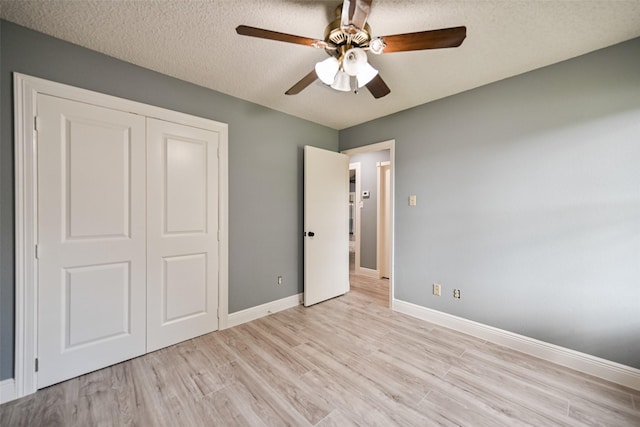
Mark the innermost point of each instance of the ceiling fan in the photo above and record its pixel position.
(346, 41)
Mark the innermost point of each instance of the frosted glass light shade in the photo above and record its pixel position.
(366, 74)
(342, 82)
(327, 69)
(354, 60)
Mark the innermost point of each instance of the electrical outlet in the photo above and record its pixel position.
(456, 293)
(437, 289)
(279, 280)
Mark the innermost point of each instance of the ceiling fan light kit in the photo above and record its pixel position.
(327, 70)
(342, 82)
(346, 41)
(365, 75)
(335, 73)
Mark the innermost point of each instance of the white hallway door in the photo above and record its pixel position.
(326, 225)
(127, 252)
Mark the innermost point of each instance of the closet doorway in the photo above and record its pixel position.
(121, 244)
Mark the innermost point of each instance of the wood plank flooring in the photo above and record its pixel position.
(345, 362)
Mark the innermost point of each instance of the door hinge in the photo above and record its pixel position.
(37, 251)
(36, 364)
(36, 123)
(218, 235)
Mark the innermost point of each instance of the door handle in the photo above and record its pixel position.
(311, 234)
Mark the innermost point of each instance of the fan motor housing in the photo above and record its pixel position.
(334, 35)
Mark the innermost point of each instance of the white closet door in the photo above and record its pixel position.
(91, 238)
(182, 233)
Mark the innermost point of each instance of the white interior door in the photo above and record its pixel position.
(182, 233)
(326, 225)
(91, 238)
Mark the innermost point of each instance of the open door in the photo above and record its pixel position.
(326, 225)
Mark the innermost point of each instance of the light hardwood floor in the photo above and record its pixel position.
(348, 361)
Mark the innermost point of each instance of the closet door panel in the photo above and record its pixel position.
(182, 233)
(91, 238)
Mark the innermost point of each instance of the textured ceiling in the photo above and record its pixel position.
(196, 41)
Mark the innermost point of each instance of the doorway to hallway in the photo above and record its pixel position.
(377, 290)
(371, 220)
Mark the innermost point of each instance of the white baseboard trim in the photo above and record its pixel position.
(368, 272)
(586, 363)
(253, 313)
(7, 390)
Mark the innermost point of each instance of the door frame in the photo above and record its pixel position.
(391, 146)
(357, 214)
(383, 222)
(26, 89)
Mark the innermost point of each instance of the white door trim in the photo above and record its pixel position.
(382, 250)
(26, 89)
(358, 215)
(391, 146)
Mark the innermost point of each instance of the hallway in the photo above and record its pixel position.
(377, 290)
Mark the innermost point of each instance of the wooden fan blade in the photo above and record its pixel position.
(378, 87)
(355, 13)
(303, 83)
(360, 13)
(434, 39)
(345, 17)
(245, 30)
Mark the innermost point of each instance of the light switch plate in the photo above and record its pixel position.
(413, 200)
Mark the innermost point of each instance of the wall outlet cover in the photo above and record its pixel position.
(437, 289)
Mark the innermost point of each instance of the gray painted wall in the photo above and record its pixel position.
(369, 211)
(265, 165)
(528, 196)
